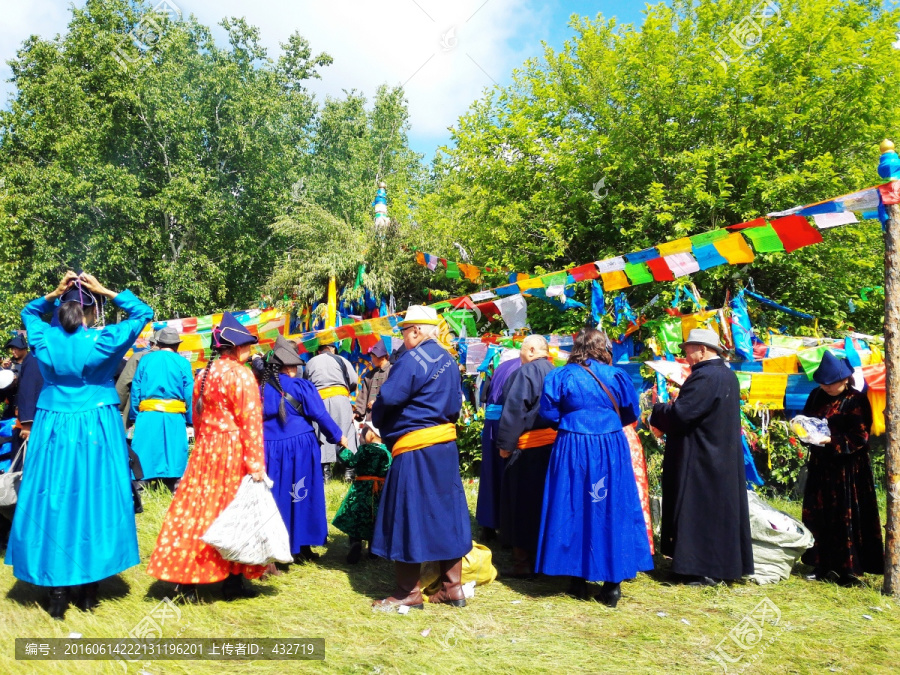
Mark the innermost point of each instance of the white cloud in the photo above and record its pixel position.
(445, 53)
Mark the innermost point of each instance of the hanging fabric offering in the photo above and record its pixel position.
(380, 204)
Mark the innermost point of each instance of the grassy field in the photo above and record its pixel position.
(509, 627)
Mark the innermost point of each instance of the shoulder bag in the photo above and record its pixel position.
(604, 387)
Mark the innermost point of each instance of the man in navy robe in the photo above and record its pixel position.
(423, 515)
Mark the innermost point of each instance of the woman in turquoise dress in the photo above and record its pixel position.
(74, 522)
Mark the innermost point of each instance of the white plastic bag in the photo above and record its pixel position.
(250, 529)
(812, 430)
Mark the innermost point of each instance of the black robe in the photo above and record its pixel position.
(522, 485)
(705, 516)
(840, 507)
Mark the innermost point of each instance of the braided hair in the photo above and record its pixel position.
(270, 375)
(198, 407)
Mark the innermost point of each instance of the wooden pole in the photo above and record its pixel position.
(892, 364)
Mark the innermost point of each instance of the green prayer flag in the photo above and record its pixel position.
(440, 305)
(765, 239)
(810, 359)
(638, 273)
(670, 334)
(556, 279)
(744, 379)
(452, 270)
(708, 237)
(460, 318)
(312, 346)
(204, 323)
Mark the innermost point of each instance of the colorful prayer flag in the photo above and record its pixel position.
(613, 281)
(796, 232)
(734, 249)
(765, 239)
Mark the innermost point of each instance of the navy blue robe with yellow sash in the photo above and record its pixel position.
(423, 514)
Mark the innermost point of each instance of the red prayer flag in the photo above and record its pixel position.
(890, 192)
(488, 309)
(584, 272)
(367, 342)
(758, 222)
(344, 332)
(796, 232)
(660, 270)
(189, 325)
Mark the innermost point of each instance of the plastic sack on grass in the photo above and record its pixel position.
(778, 541)
(250, 529)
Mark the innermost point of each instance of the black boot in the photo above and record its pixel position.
(349, 475)
(578, 588)
(233, 588)
(306, 555)
(355, 552)
(186, 594)
(87, 597)
(488, 534)
(610, 594)
(59, 602)
(326, 472)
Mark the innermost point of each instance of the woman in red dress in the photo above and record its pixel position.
(228, 446)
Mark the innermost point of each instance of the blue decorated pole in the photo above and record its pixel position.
(889, 168)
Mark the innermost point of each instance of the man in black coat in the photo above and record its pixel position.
(705, 516)
(526, 439)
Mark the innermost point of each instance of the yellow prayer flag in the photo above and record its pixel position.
(381, 326)
(682, 245)
(699, 320)
(191, 342)
(781, 364)
(734, 249)
(534, 282)
(878, 401)
(267, 316)
(876, 356)
(217, 319)
(768, 389)
(331, 312)
(613, 281)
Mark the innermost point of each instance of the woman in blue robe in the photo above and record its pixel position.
(293, 455)
(161, 395)
(592, 526)
(74, 522)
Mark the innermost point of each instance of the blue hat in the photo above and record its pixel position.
(18, 342)
(77, 294)
(832, 369)
(230, 333)
(379, 349)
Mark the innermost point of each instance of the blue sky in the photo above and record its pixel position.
(446, 54)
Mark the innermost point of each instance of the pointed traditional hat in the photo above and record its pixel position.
(230, 333)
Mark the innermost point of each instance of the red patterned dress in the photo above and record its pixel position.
(639, 464)
(229, 445)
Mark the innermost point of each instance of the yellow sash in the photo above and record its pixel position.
(423, 438)
(536, 438)
(328, 392)
(167, 405)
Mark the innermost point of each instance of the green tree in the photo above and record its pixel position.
(138, 149)
(671, 142)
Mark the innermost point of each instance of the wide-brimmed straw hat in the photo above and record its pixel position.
(705, 337)
(420, 314)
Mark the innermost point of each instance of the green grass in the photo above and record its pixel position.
(509, 627)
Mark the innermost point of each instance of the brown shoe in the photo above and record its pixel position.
(407, 593)
(451, 592)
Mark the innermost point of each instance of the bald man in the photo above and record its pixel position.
(526, 439)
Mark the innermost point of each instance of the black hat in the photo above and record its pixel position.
(78, 294)
(832, 369)
(18, 342)
(230, 333)
(285, 353)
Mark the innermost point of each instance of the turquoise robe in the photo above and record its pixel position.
(160, 438)
(74, 521)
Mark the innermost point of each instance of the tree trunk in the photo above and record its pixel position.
(892, 411)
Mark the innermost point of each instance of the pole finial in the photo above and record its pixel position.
(887, 145)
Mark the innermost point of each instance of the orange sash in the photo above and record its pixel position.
(378, 482)
(423, 438)
(536, 438)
